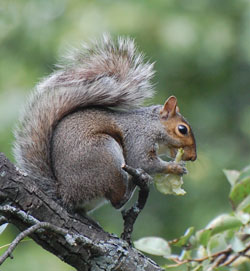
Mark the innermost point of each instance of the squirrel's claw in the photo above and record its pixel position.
(176, 168)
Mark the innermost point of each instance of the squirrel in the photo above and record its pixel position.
(86, 120)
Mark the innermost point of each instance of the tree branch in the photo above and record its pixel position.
(75, 239)
(27, 232)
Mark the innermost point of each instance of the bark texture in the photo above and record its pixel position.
(74, 239)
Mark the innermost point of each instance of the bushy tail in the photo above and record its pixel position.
(109, 73)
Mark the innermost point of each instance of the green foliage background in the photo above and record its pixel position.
(202, 55)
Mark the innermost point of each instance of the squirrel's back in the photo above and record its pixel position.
(109, 74)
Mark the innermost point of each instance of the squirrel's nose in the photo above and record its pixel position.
(190, 158)
(189, 154)
(193, 158)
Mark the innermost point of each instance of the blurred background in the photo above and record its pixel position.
(201, 51)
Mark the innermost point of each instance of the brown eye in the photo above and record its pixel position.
(182, 129)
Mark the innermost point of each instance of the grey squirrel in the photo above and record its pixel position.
(86, 120)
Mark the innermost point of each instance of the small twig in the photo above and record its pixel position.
(236, 256)
(142, 180)
(220, 258)
(16, 241)
(8, 209)
(30, 230)
(199, 260)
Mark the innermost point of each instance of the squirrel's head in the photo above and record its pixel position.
(179, 131)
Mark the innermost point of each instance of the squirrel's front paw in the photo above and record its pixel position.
(176, 168)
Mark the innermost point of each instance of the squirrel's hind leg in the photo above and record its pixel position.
(91, 172)
(120, 184)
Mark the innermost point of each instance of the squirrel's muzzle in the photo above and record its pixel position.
(189, 153)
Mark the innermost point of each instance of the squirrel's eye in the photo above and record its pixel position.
(182, 129)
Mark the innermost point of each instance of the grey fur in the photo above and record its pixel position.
(80, 126)
(108, 73)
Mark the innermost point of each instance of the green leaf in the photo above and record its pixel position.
(243, 217)
(198, 268)
(3, 227)
(245, 173)
(185, 254)
(193, 242)
(239, 192)
(153, 245)
(222, 223)
(222, 268)
(203, 236)
(182, 241)
(237, 244)
(201, 252)
(183, 267)
(232, 175)
(216, 243)
(171, 183)
(246, 230)
(244, 205)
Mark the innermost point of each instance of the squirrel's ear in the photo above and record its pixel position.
(170, 107)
